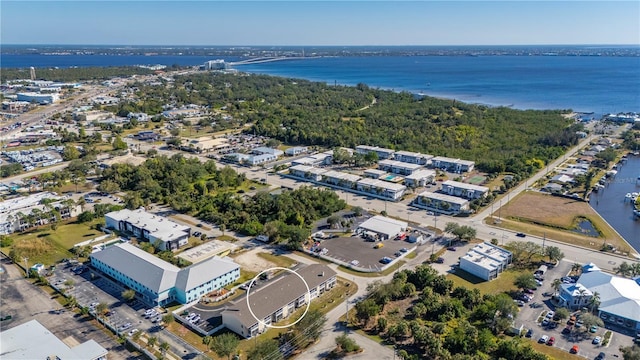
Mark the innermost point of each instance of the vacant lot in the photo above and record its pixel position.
(541, 214)
(47, 246)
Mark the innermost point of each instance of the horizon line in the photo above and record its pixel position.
(313, 45)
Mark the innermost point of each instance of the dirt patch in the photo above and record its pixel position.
(251, 261)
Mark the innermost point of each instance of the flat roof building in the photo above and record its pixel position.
(307, 172)
(206, 144)
(412, 157)
(451, 164)
(277, 300)
(380, 188)
(486, 261)
(261, 150)
(32, 340)
(158, 230)
(398, 167)
(296, 150)
(382, 152)
(420, 178)
(341, 179)
(464, 190)
(441, 203)
(385, 227)
(158, 282)
(375, 173)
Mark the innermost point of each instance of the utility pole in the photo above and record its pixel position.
(26, 265)
(544, 239)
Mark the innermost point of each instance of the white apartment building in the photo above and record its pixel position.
(412, 157)
(157, 230)
(441, 203)
(398, 167)
(382, 152)
(451, 164)
(486, 261)
(464, 190)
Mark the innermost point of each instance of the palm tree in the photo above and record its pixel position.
(582, 292)
(556, 284)
(576, 267)
(152, 341)
(594, 302)
(164, 347)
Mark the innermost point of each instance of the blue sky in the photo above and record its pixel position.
(307, 22)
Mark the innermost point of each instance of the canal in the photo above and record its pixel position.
(611, 205)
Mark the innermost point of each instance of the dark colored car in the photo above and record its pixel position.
(566, 330)
(440, 260)
(451, 248)
(601, 356)
(521, 235)
(529, 333)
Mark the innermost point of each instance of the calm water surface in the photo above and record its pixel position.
(610, 202)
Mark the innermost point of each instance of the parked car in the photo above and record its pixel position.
(404, 250)
(574, 349)
(593, 329)
(519, 302)
(131, 332)
(521, 235)
(601, 356)
(529, 333)
(440, 260)
(528, 291)
(398, 253)
(553, 325)
(550, 314)
(197, 233)
(566, 330)
(596, 340)
(545, 322)
(551, 341)
(543, 339)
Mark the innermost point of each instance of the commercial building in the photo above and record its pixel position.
(277, 300)
(207, 144)
(157, 230)
(441, 203)
(262, 150)
(296, 150)
(464, 190)
(486, 261)
(619, 297)
(398, 167)
(157, 282)
(453, 165)
(412, 157)
(32, 340)
(420, 178)
(382, 152)
(382, 189)
(217, 64)
(381, 228)
(38, 97)
(324, 158)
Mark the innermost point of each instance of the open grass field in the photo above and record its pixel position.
(281, 261)
(503, 283)
(540, 214)
(46, 246)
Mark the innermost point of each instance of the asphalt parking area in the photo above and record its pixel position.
(348, 249)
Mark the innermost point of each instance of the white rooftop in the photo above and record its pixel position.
(481, 260)
(461, 185)
(452, 160)
(158, 226)
(342, 176)
(444, 197)
(491, 251)
(26, 201)
(421, 174)
(384, 225)
(400, 164)
(382, 184)
(32, 340)
(619, 296)
(413, 154)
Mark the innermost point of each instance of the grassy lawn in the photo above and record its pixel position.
(386, 272)
(281, 261)
(503, 283)
(540, 215)
(47, 246)
(553, 352)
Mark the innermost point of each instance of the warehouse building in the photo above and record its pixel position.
(381, 228)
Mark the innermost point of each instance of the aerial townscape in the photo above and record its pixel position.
(317, 202)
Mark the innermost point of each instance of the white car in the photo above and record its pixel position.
(130, 333)
(596, 340)
(550, 314)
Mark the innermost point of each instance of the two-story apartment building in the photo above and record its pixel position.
(451, 164)
(398, 167)
(486, 261)
(464, 190)
(157, 282)
(157, 230)
(442, 203)
(412, 157)
(382, 152)
(277, 300)
(381, 188)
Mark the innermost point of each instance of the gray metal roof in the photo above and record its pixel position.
(144, 268)
(204, 271)
(279, 293)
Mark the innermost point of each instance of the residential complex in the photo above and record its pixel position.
(158, 282)
(413, 157)
(453, 165)
(277, 300)
(486, 261)
(32, 340)
(382, 152)
(441, 203)
(157, 230)
(24, 212)
(464, 190)
(398, 167)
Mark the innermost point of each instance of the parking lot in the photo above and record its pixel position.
(90, 289)
(538, 307)
(348, 249)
